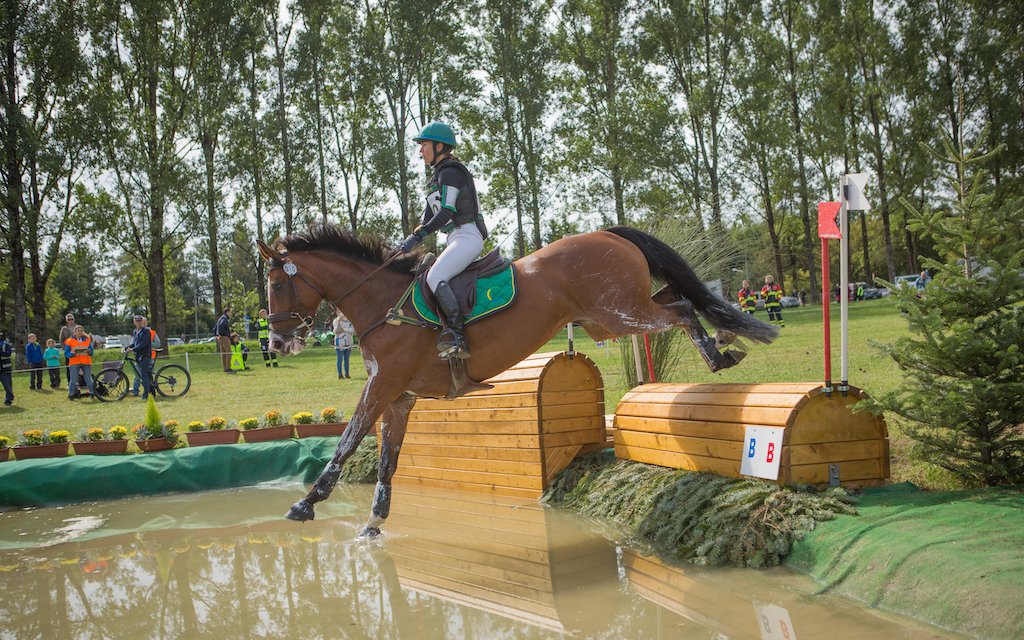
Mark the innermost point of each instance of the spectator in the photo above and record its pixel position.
(142, 348)
(263, 332)
(66, 332)
(78, 351)
(52, 356)
(343, 342)
(923, 280)
(223, 333)
(748, 300)
(6, 369)
(772, 294)
(239, 353)
(36, 363)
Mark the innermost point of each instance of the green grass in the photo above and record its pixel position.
(308, 381)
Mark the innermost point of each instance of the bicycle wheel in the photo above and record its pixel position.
(110, 391)
(172, 381)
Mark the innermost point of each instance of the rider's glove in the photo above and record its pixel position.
(414, 239)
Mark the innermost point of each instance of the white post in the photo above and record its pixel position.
(636, 359)
(844, 282)
(187, 368)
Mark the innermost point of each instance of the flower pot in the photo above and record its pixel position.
(5, 454)
(279, 432)
(58, 450)
(213, 436)
(100, 447)
(154, 444)
(324, 429)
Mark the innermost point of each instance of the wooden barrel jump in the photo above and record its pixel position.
(702, 427)
(510, 440)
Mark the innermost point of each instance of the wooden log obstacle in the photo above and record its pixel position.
(510, 440)
(702, 427)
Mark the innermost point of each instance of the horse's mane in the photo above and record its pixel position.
(331, 237)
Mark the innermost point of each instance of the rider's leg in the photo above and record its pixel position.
(464, 245)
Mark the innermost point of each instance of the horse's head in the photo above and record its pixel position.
(291, 300)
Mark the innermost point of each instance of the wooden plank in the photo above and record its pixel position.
(472, 477)
(524, 427)
(455, 413)
(568, 438)
(494, 465)
(798, 388)
(577, 410)
(780, 400)
(506, 400)
(687, 428)
(513, 492)
(474, 440)
(848, 471)
(703, 447)
(556, 459)
(824, 419)
(672, 460)
(562, 425)
(472, 453)
(575, 396)
(767, 416)
(829, 452)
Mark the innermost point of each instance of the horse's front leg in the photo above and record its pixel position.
(708, 346)
(365, 415)
(396, 419)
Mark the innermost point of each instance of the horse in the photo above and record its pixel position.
(600, 281)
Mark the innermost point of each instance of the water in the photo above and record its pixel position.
(226, 565)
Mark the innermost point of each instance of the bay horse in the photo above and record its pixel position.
(600, 281)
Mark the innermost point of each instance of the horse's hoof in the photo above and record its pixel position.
(300, 512)
(369, 533)
(732, 358)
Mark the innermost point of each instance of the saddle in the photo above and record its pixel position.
(464, 285)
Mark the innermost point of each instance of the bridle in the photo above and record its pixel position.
(306, 319)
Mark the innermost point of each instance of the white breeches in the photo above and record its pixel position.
(464, 246)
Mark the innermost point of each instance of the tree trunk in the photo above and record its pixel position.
(283, 117)
(14, 196)
(209, 143)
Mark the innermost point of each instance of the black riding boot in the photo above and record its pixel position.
(452, 343)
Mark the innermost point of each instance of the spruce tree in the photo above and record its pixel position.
(963, 396)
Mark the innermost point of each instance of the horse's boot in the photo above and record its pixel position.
(452, 343)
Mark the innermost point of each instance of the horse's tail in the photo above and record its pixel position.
(667, 265)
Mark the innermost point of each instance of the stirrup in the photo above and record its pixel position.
(450, 345)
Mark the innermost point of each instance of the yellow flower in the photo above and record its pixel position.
(59, 437)
(303, 417)
(117, 432)
(216, 423)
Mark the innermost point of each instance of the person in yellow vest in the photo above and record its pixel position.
(78, 351)
(772, 294)
(263, 327)
(748, 300)
(238, 353)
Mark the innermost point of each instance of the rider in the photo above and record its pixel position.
(452, 207)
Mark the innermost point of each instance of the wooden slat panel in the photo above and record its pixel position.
(563, 425)
(506, 400)
(787, 400)
(473, 440)
(848, 471)
(568, 438)
(577, 410)
(768, 416)
(556, 459)
(703, 447)
(712, 430)
(671, 460)
(829, 452)
(473, 477)
(494, 465)
(495, 428)
(473, 453)
(454, 413)
(487, 489)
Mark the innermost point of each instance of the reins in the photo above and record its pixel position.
(306, 320)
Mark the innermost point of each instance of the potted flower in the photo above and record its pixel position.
(117, 432)
(306, 426)
(5, 451)
(272, 429)
(39, 444)
(214, 433)
(154, 435)
(93, 441)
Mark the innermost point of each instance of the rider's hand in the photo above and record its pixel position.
(409, 243)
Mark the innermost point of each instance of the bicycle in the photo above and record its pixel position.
(170, 381)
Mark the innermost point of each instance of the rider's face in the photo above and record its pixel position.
(427, 151)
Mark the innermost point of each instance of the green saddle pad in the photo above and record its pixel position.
(493, 294)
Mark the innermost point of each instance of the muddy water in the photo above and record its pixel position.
(227, 565)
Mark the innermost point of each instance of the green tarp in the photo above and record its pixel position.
(52, 481)
(955, 559)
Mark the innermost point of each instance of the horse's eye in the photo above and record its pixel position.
(277, 286)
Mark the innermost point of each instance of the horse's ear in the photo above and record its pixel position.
(267, 252)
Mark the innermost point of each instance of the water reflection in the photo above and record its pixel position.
(226, 565)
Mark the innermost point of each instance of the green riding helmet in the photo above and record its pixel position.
(436, 132)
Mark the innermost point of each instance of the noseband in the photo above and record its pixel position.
(306, 319)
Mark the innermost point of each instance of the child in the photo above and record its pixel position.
(34, 355)
(52, 356)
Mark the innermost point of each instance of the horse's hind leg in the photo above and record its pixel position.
(396, 419)
(710, 348)
(666, 296)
